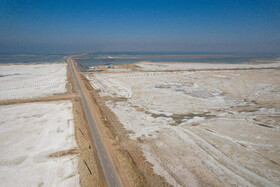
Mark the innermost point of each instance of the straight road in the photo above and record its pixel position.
(107, 165)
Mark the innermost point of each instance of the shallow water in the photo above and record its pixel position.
(96, 59)
(4, 59)
(109, 58)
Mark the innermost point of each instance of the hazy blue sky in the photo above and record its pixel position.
(55, 26)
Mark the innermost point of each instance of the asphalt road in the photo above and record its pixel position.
(107, 165)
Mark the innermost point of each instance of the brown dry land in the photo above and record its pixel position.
(128, 158)
(125, 168)
(126, 153)
(90, 170)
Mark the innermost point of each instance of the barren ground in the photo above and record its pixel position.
(197, 128)
(32, 80)
(38, 143)
(44, 136)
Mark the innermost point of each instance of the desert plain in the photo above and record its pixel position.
(198, 124)
(37, 136)
(32, 80)
(179, 124)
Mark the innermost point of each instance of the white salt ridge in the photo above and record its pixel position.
(160, 112)
(192, 120)
(221, 76)
(118, 70)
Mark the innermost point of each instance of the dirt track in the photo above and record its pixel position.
(125, 164)
(127, 152)
(108, 167)
(66, 96)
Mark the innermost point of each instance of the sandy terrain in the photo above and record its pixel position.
(214, 128)
(34, 80)
(38, 146)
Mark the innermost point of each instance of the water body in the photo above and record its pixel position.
(15, 58)
(111, 58)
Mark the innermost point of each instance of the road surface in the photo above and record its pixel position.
(107, 165)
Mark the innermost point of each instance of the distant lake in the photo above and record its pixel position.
(111, 58)
(31, 58)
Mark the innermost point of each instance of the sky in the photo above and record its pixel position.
(57, 26)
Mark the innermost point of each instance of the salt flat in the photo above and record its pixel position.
(217, 128)
(157, 66)
(38, 144)
(33, 80)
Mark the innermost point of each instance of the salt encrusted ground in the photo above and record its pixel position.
(29, 81)
(156, 66)
(201, 128)
(35, 139)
